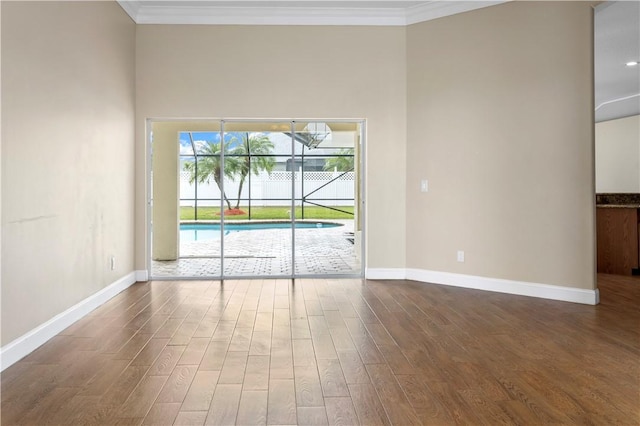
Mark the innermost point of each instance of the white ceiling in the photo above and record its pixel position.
(617, 41)
(617, 30)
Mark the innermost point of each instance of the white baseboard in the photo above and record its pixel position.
(142, 276)
(22, 346)
(521, 288)
(385, 273)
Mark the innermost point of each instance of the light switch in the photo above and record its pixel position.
(424, 185)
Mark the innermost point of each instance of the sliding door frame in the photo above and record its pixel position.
(359, 205)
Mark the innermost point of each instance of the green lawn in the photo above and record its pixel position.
(262, 213)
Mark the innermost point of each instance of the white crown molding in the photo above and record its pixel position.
(210, 14)
(270, 16)
(614, 109)
(440, 9)
(131, 7)
(611, 101)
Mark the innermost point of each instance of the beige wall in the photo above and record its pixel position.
(68, 156)
(494, 107)
(285, 72)
(0, 179)
(165, 190)
(500, 121)
(618, 155)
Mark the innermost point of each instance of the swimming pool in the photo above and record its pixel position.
(211, 231)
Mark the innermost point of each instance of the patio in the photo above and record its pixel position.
(267, 252)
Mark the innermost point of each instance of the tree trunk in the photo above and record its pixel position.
(227, 200)
(216, 177)
(240, 191)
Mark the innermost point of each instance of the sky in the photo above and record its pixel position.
(281, 141)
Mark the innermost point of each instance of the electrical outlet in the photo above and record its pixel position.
(460, 256)
(424, 185)
(113, 263)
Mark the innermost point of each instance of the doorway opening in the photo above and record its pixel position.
(255, 198)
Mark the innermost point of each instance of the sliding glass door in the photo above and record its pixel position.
(257, 219)
(251, 198)
(325, 198)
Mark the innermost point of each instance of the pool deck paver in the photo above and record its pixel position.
(266, 252)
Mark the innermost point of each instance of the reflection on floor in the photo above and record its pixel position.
(267, 252)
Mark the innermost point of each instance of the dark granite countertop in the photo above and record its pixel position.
(618, 206)
(618, 200)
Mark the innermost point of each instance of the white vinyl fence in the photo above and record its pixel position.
(274, 189)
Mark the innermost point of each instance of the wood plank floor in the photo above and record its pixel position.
(335, 352)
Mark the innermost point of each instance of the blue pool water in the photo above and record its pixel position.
(211, 231)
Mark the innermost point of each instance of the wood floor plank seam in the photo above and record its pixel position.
(335, 351)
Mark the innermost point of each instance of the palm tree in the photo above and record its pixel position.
(209, 166)
(252, 157)
(341, 164)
